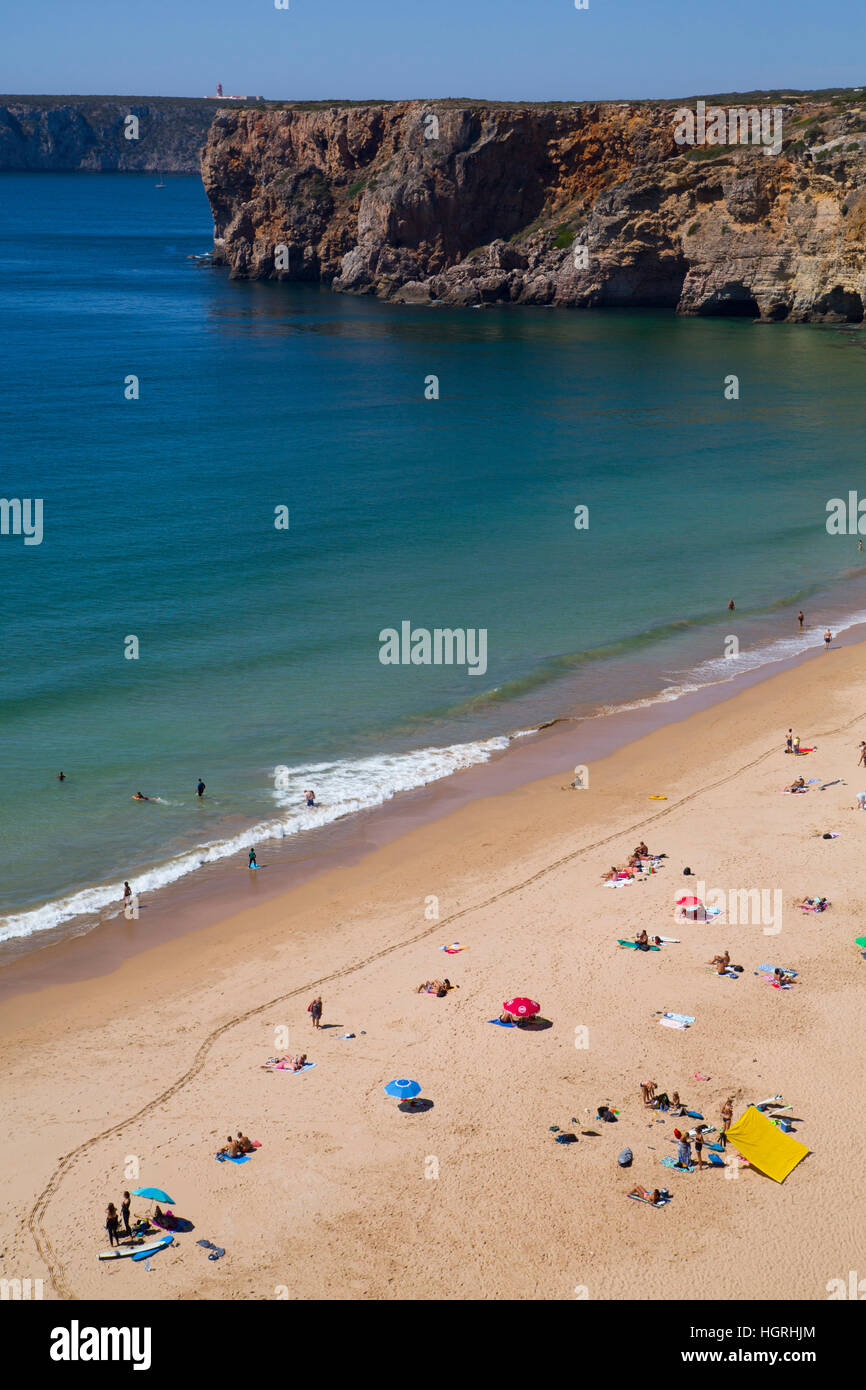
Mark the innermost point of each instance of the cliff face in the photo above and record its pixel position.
(499, 205)
(88, 133)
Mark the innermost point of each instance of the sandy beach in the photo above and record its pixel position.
(136, 1077)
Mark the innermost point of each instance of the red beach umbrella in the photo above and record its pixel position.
(688, 902)
(521, 1007)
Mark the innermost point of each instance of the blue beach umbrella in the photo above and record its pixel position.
(402, 1089)
(153, 1194)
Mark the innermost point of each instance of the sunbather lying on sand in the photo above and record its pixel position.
(231, 1147)
(783, 977)
(815, 904)
(646, 1196)
(438, 987)
(798, 786)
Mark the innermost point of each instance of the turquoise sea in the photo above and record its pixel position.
(258, 647)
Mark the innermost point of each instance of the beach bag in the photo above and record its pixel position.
(625, 1158)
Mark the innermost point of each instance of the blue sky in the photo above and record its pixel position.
(509, 49)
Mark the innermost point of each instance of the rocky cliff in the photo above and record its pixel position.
(59, 134)
(582, 206)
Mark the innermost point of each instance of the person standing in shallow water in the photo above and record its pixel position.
(200, 788)
(731, 606)
(252, 859)
(828, 638)
(800, 616)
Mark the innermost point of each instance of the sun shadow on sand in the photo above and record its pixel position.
(415, 1107)
(534, 1025)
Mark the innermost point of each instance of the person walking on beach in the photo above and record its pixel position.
(253, 864)
(800, 617)
(124, 1212)
(315, 1012)
(111, 1224)
(861, 761)
(200, 788)
(127, 891)
(828, 638)
(789, 741)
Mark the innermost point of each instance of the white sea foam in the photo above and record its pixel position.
(719, 670)
(342, 788)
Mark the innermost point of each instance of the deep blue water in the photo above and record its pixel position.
(259, 647)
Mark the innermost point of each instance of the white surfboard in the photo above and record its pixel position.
(120, 1253)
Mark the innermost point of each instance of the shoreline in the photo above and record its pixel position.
(205, 897)
(179, 1035)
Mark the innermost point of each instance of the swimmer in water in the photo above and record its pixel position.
(310, 798)
(61, 776)
(200, 787)
(140, 796)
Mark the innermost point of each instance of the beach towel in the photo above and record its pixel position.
(454, 948)
(771, 980)
(771, 968)
(286, 1066)
(499, 1023)
(227, 1158)
(672, 1023)
(765, 1146)
(633, 945)
(860, 940)
(672, 1020)
(670, 1162)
